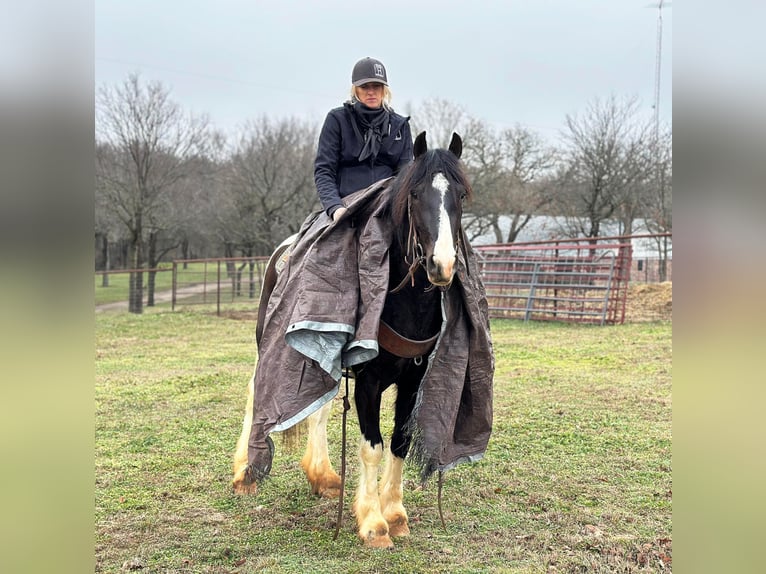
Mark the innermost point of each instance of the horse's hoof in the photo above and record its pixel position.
(397, 526)
(239, 486)
(326, 486)
(377, 540)
(329, 492)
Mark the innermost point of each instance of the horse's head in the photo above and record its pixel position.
(435, 187)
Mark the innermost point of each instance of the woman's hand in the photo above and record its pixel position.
(338, 213)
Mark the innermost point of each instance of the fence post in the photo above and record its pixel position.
(204, 283)
(218, 292)
(531, 296)
(175, 285)
(608, 290)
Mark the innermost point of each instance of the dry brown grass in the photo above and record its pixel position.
(649, 302)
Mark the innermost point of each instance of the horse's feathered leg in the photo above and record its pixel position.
(322, 477)
(372, 527)
(391, 497)
(391, 491)
(241, 484)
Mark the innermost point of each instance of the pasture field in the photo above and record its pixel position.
(577, 476)
(118, 288)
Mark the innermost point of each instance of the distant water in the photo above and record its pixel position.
(544, 227)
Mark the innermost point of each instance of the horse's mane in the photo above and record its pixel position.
(424, 168)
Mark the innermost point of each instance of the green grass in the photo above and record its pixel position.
(194, 274)
(577, 476)
(117, 290)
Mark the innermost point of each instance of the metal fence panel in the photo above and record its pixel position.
(575, 280)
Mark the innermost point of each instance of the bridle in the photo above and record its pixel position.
(414, 251)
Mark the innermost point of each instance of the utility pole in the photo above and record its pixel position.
(658, 69)
(663, 246)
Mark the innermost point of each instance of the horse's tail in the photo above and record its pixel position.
(241, 483)
(291, 439)
(294, 437)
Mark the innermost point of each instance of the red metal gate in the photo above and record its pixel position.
(575, 280)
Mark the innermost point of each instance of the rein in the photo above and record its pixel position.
(346, 408)
(413, 245)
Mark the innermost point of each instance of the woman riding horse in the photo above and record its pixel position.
(361, 292)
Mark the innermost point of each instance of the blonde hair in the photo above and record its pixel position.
(387, 97)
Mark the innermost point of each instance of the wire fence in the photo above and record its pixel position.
(221, 281)
(574, 280)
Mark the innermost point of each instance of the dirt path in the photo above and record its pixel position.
(159, 297)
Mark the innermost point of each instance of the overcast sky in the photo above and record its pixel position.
(503, 61)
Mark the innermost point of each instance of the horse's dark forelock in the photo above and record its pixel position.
(423, 169)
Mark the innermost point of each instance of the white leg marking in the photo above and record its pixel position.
(373, 528)
(391, 496)
(444, 249)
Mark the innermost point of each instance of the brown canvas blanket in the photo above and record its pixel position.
(323, 315)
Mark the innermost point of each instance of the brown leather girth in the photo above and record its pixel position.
(401, 346)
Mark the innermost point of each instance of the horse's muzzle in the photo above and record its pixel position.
(440, 271)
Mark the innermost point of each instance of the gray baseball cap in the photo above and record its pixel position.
(369, 70)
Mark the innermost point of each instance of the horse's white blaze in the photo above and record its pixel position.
(444, 249)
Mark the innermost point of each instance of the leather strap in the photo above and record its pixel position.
(401, 346)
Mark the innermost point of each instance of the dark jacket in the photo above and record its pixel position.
(338, 172)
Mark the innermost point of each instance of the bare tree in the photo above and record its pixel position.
(150, 145)
(608, 164)
(268, 186)
(504, 167)
(507, 168)
(440, 118)
(658, 207)
(108, 229)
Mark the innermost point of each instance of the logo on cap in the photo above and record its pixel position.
(379, 71)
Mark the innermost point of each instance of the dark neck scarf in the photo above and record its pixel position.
(374, 124)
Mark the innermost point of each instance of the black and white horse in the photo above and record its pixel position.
(425, 213)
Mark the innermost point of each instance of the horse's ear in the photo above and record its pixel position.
(456, 145)
(420, 146)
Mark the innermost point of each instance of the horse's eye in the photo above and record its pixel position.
(414, 194)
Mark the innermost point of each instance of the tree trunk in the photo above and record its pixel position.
(497, 231)
(136, 287)
(663, 259)
(238, 280)
(252, 279)
(152, 265)
(628, 227)
(185, 252)
(517, 224)
(105, 256)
